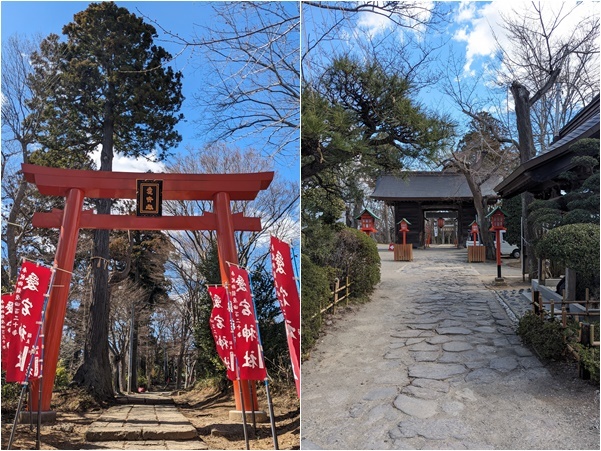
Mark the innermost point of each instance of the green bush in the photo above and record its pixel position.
(356, 255)
(62, 379)
(315, 291)
(577, 247)
(589, 357)
(546, 337)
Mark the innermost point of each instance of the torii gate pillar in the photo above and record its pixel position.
(226, 248)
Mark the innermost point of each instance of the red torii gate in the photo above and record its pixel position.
(75, 185)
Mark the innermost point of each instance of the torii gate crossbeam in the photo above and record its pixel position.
(76, 185)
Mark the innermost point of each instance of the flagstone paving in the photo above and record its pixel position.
(433, 362)
(144, 421)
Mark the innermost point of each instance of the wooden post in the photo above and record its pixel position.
(552, 309)
(541, 308)
(585, 340)
(347, 290)
(336, 288)
(535, 297)
(564, 317)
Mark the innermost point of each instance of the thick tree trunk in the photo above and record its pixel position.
(117, 373)
(95, 372)
(521, 98)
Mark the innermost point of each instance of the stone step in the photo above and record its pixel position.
(153, 444)
(141, 423)
(145, 398)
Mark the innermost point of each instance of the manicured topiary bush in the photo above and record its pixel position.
(577, 247)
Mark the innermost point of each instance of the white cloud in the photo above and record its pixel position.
(466, 11)
(484, 22)
(123, 163)
(374, 24)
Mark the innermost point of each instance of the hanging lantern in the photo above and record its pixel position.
(440, 223)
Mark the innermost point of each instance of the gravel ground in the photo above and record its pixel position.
(433, 362)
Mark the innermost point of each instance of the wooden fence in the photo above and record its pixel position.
(591, 309)
(335, 297)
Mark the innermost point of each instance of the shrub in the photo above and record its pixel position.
(62, 379)
(356, 255)
(315, 290)
(589, 357)
(577, 247)
(546, 337)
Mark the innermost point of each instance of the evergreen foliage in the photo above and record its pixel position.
(580, 203)
(577, 247)
(107, 76)
(315, 290)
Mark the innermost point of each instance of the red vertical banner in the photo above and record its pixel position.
(287, 293)
(31, 288)
(8, 305)
(248, 347)
(221, 328)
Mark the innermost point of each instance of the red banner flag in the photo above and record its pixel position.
(287, 293)
(32, 285)
(8, 305)
(247, 345)
(221, 327)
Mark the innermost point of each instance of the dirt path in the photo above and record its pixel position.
(432, 362)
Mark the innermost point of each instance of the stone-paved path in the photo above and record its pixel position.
(144, 421)
(433, 362)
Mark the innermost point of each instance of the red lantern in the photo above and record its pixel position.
(497, 219)
(404, 229)
(440, 223)
(474, 227)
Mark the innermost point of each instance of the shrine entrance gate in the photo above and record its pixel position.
(75, 185)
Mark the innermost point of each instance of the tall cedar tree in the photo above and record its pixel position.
(111, 89)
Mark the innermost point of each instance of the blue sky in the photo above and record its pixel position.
(470, 33)
(185, 18)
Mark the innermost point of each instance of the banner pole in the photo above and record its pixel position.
(26, 384)
(19, 407)
(295, 263)
(252, 411)
(41, 362)
(269, 402)
(243, 408)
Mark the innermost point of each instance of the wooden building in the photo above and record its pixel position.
(542, 175)
(421, 196)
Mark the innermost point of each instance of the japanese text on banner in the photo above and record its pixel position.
(247, 345)
(32, 285)
(221, 328)
(287, 294)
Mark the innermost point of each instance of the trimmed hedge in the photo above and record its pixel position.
(577, 247)
(315, 288)
(356, 255)
(330, 252)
